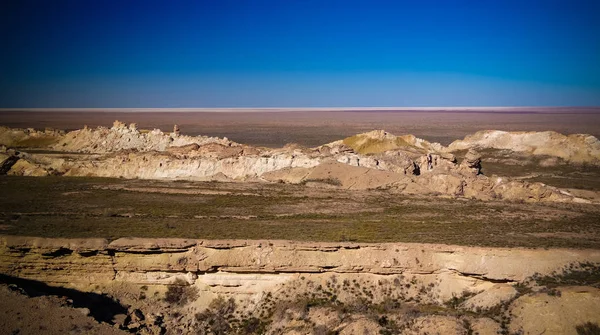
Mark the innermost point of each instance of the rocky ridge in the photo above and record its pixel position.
(122, 137)
(376, 159)
(575, 148)
(258, 274)
(29, 137)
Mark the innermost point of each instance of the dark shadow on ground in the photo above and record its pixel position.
(102, 307)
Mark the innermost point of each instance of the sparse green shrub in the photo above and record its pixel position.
(468, 328)
(215, 319)
(551, 292)
(388, 305)
(329, 181)
(588, 328)
(222, 306)
(456, 301)
(253, 326)
(583, 274)
(180, 293)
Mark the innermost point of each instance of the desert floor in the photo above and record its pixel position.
(313, 128)
(113, 208)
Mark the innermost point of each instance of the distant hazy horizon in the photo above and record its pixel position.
(329, 109)
(312, 127)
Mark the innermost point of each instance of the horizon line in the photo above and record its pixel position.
(292, 109)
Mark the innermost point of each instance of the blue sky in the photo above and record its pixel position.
(299, 53)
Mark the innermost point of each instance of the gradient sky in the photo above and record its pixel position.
(220, 53)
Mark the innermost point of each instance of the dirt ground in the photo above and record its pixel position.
(313, 128)
(113, 208)
(25, 314)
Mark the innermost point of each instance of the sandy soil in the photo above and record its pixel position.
(45, 314)
(312, 128)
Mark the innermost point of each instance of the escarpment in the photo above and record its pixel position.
(183, 281)
(376, 159)
(160, 261)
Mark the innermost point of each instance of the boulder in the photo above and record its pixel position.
(472, 161)
(442, 183)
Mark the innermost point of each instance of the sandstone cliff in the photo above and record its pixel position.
(280, 276)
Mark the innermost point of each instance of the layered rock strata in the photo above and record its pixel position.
(256, 274)
(161, 261)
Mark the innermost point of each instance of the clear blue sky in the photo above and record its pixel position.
(287, 53)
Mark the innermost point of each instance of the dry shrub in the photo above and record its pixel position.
(180, 293)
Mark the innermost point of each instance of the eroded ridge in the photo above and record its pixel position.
(377, 159)
(187, 281)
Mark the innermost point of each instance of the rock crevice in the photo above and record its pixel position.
(55, 260)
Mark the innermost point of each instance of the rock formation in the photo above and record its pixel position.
(200, 275)
(576, 148)
(472, 161)
(376, 159)
(121, 137)
(29, 137)
(379, 141)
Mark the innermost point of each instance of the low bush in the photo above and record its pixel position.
(180, 293)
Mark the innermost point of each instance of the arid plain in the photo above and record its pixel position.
(274, 128)
(301, 222)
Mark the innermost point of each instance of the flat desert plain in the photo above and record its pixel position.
(313, 127)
